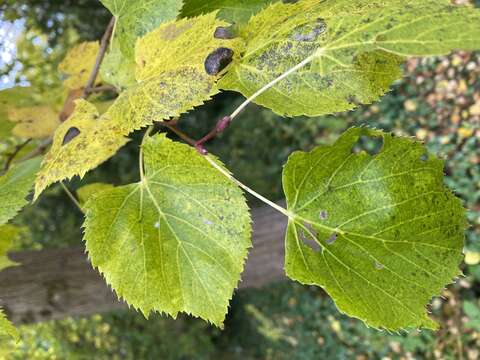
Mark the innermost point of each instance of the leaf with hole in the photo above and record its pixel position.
(174, 242)
(80, 144)
(349, 52)
(374, 226)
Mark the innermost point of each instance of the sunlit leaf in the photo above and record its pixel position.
(174, 242)
(81, 143)
(78, 64)
(8, 233)
(378, 231)
(352, 49)
(34, 122)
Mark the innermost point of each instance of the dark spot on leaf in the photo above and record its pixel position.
(223, 32)
(424, 157)
(71, 134)
(323, 215)
(218, 60)
(309, 32)
(332, 239)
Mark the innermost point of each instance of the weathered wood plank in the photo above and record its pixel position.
(53, 284)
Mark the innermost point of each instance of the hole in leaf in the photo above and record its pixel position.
(218, 60)
(71, 134)
(157, 225)
(372, 145)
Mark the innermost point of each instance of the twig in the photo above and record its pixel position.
(98, 61)
(71, 196)
(12, 156)
(38, 151)
(171, 125)
(221, 125)
(102, 88)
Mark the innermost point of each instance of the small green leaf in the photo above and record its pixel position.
(7, 331)
(177, 240)
(379, 232)
(117, 69)
(80, 144)
(15, 185)
(351, 49)
(8, 233)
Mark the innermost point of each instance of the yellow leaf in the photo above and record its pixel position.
(36, 122)
(78, 64)
(81, 143)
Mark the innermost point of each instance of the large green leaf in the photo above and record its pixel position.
(380, 233)
(15, 185)
(133, 20)
(352, 49)
(176, 241)
(233, 11)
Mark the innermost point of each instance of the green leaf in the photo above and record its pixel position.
(136, 18)
(170, 79)
(15, 185)
(7, 331)
(174, 242)
(380, 233)
(81, 143)
(351, 49)
(88, 191)
(8, 233)
(234, 11)
(117, 69)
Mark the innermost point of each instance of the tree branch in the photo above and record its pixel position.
(98, 62)
(12, 156)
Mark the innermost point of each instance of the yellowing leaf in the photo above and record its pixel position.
(174, 242)
(15, 185)
(379, 232)
(81, 143)
(34, 122)
(349, 51)
(171, 80)
(8, 233)
(78, 64)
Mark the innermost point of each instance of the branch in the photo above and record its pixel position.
(98, 62)
(12, 156)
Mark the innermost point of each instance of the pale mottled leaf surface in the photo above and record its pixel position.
(36, 122)
(171, 79)
(136, 18)
(234, 11)
(15, 185)
(380, 233)
(174, 242)
(78, 64)
(80, 144)
(356, 48)
(117, 69)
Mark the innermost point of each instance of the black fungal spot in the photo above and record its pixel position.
(372, 145)
(332, 239)
(308, 32)
(71, 134)
(218, 60)
(323, 215)
(223, 32)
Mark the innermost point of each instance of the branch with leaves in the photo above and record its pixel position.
(379, 231)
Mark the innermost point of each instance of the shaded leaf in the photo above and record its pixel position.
(36, 122)
(117, 69)
(380, 233)
(352, 49)
(15, 185)
(88, 191)
(174, 242)
(81, 143)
